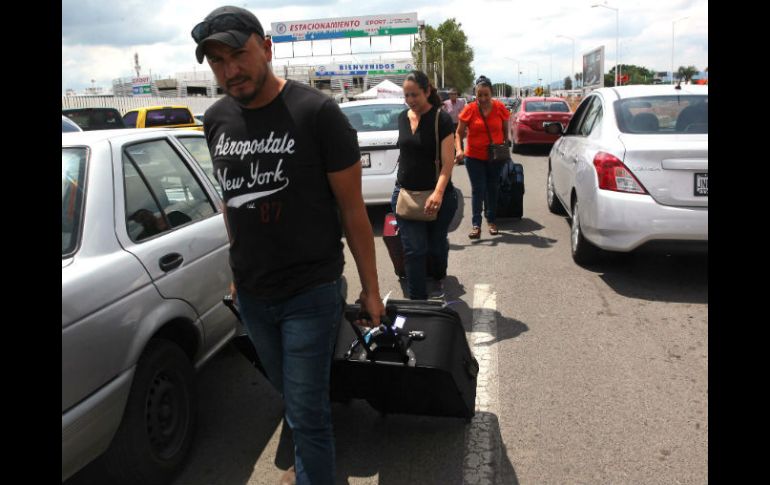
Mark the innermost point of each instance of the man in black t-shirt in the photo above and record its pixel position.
(289, 166)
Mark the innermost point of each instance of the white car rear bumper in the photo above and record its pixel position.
(378, 189)
(622, 222)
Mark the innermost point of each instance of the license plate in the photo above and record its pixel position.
(366, 160)
(702, 184)
(548, 123)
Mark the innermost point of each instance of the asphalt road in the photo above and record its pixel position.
(601, 374)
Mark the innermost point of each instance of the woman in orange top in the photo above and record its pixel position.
(484, 174)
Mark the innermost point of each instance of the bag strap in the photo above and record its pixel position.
(438, 146)
(485, 124)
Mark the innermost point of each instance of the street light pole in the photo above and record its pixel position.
(537, 75)
(518, 74)
(572, 73)
(617, 39)
(672, 46)
(421, 25)
(442, 61)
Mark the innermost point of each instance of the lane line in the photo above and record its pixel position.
(482, 447)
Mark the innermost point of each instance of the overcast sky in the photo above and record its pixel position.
(99, 38)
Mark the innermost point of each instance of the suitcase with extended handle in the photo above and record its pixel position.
(417, 362)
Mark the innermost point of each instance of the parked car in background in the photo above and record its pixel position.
(376, 121)
(509, 103)
(532, 115)
(67, 125)
(161, 117)
(144, 270)
(632, 170)
(95, 118)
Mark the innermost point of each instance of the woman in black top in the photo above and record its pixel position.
(417, 171)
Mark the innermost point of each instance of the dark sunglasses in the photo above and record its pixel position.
(222, 23)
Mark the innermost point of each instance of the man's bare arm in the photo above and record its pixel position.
(346, 186)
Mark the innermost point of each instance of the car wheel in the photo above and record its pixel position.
(583, 252)
(554, 205)
(159, 420)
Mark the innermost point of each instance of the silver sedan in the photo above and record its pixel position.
(631, 170)
(144, 269)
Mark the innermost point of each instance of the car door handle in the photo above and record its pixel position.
(170, 261)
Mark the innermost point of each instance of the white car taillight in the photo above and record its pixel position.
(613, 175)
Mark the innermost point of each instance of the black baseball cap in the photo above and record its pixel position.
(230, 25)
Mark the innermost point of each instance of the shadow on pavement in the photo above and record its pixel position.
(675, 278)
(511, 231)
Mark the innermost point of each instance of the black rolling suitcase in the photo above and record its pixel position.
(510, 197)
(421, 364)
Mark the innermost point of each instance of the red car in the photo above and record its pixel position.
(532, 115)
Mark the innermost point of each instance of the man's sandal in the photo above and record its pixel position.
(475, 232)
(493, 229)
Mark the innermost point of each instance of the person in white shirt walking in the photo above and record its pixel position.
(454, 105)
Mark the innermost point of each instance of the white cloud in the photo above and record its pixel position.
(99, 42)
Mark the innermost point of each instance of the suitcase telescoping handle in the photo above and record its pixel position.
(229, 303)
(353, 313)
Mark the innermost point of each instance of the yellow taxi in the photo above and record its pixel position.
(161, 117)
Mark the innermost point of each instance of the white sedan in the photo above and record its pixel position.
(632, 170)
(376, 121)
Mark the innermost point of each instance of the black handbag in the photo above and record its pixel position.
(497, 152)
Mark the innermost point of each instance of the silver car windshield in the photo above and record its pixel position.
(73, 167)
(663, 114)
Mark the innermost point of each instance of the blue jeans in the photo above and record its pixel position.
(420, 239)
(485, 185)
(294, 338)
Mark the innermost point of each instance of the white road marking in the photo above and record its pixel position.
(482, 449)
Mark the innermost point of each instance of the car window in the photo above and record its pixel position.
(545, 106)
(68, 126)
(73, 169)
(663, 114)
(374, 117)
(592, 118)
(558, 107)
(198, 148)
(160, 191)
(130, 118)
(96, 118)
(168, 116)
(580, 113)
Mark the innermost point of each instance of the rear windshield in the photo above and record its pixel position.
(546, 106)
(374, 117)
(663, 114)
(95, 118)
(168, 116)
